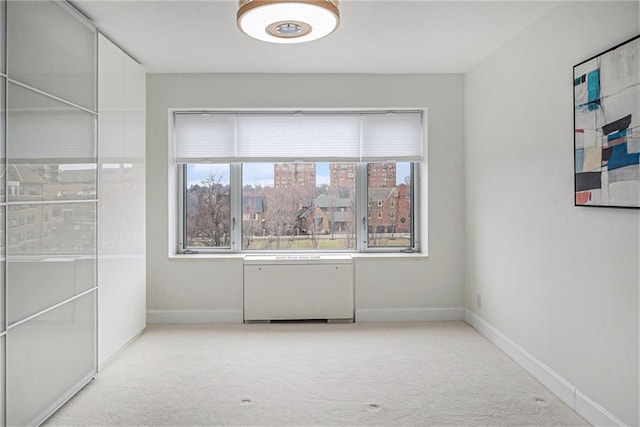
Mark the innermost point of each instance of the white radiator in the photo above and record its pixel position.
(298, 287)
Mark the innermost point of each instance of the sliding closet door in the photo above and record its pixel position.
(50, 207)
(121, 211)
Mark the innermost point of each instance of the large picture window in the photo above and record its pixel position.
(293, 206)
(298, 181)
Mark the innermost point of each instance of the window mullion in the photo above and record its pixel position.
(235, 185)
(182, 195)
(361, 207)
(415, 206)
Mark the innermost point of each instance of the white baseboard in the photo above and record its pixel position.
(194, 316)
(569, 394)
(410, 314)
(593, 412)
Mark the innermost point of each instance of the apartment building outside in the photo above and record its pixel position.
(289, 175)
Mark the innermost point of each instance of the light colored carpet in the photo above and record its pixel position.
(410, 374)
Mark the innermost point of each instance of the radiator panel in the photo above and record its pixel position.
(298, 290)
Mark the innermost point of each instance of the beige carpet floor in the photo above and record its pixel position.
(359, 374)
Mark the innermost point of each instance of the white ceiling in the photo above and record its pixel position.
(183, 36)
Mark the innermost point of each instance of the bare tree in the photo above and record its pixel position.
(282, 214)
(393, 211)
(251, 223)
(349, 230)
(208, 222)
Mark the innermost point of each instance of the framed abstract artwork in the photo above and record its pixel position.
(606, 122)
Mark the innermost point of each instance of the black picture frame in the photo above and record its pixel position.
(606, 125)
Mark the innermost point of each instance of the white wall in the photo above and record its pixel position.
(206, 289)
(560, 281)
(121, 205)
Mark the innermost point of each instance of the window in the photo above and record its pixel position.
(207, 206)
(311, 215)
(297, 181)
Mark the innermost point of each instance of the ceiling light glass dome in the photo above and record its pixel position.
(288, 21)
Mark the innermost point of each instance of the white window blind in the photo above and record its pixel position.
(391, 136)
(205, 138)
(265, 137)
(308, 136)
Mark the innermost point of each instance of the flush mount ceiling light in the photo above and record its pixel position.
(288, 21)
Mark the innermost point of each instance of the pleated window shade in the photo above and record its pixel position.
(309, 136)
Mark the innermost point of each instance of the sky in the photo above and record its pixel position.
(262, 173)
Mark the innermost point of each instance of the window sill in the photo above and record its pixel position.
(390, 255)
(299, 256)
(179, 257)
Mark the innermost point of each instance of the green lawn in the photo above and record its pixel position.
(323, 243)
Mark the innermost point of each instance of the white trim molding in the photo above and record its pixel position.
(452, 314)
(568, 393)
(194, 316)
(593, 412)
